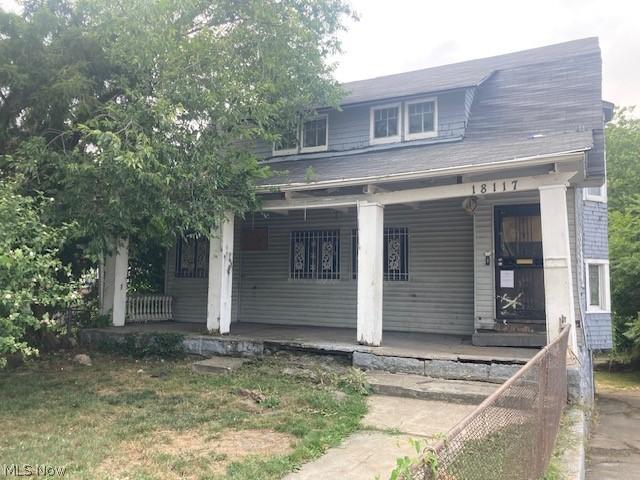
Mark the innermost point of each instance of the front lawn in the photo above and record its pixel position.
(620, 379)
(144, 419)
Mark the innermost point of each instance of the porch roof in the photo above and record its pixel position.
(427, 159)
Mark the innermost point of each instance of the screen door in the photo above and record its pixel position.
(519, 264)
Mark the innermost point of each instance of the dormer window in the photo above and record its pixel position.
(385, 124)
(315, 134)
(421, 119)
(288, 144)
(311, 136)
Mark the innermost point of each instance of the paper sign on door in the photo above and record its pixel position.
(506, 279)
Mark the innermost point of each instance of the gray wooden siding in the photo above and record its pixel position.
(595, 246)
(437, 298)
(349, 129)
(484, 309)
(469, 95)
(190, 294)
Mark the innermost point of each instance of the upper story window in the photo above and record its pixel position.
(288, 144)
(311, 136)
(315, 134)
(421, 119)
(385, 124)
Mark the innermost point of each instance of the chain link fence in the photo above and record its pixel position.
(511, 435)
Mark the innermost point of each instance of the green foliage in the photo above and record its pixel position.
(138, 117)
(623, 170)
(161, 345)
(146, 268)
(355, 380)
(425, 464)
(33, 281)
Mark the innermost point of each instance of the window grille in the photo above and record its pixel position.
(396, 254)
(192, 258)
(315, 255)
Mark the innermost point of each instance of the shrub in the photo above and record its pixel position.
(34, 284)
(163, 345)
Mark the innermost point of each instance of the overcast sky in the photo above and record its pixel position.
(400, 35)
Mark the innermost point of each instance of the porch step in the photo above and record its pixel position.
(509, 339)
(453, 368)
(218, 365)
(426, 388)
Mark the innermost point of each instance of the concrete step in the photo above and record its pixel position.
(426, 388)
(218, 365)
(509, 339)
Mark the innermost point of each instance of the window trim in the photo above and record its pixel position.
(379, 141)
(319, 148)
(602, 198)
(287, 151)
(421, 135)
(605, 285)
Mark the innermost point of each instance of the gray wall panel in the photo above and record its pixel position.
(349, 129)
(437, 298)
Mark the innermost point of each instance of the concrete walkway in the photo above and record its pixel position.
(614, 449)
(374, 452)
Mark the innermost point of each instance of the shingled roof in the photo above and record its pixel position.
(531, 103)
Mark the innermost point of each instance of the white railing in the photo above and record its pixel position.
(142, 308)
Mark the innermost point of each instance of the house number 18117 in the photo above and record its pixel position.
(495, 187)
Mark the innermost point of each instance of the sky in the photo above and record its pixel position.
(403, 35)
(395, 36)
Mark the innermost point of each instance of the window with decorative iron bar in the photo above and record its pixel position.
(315, 255)
(396, 254)
(192, 258)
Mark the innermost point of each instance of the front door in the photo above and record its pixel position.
(519, 264)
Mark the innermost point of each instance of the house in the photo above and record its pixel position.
(467, 199)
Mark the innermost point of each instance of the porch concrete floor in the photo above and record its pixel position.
(399, 344)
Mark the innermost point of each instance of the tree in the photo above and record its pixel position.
(33, 281)
(623, 172)
(138, 117)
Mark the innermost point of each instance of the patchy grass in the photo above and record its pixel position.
(618, 380)
(146, 419)
(564, 441)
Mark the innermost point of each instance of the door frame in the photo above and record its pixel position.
(514, 206)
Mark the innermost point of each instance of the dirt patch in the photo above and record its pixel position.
(191, 454)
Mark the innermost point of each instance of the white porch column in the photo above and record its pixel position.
(558, 282)
(114, 283)
(370, 272)
(220, 277)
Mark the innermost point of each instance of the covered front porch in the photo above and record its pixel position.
(318, 265)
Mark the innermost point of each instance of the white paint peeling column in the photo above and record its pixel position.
(370, 272)
(113, 290)
(558, 282)
(220, 276)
